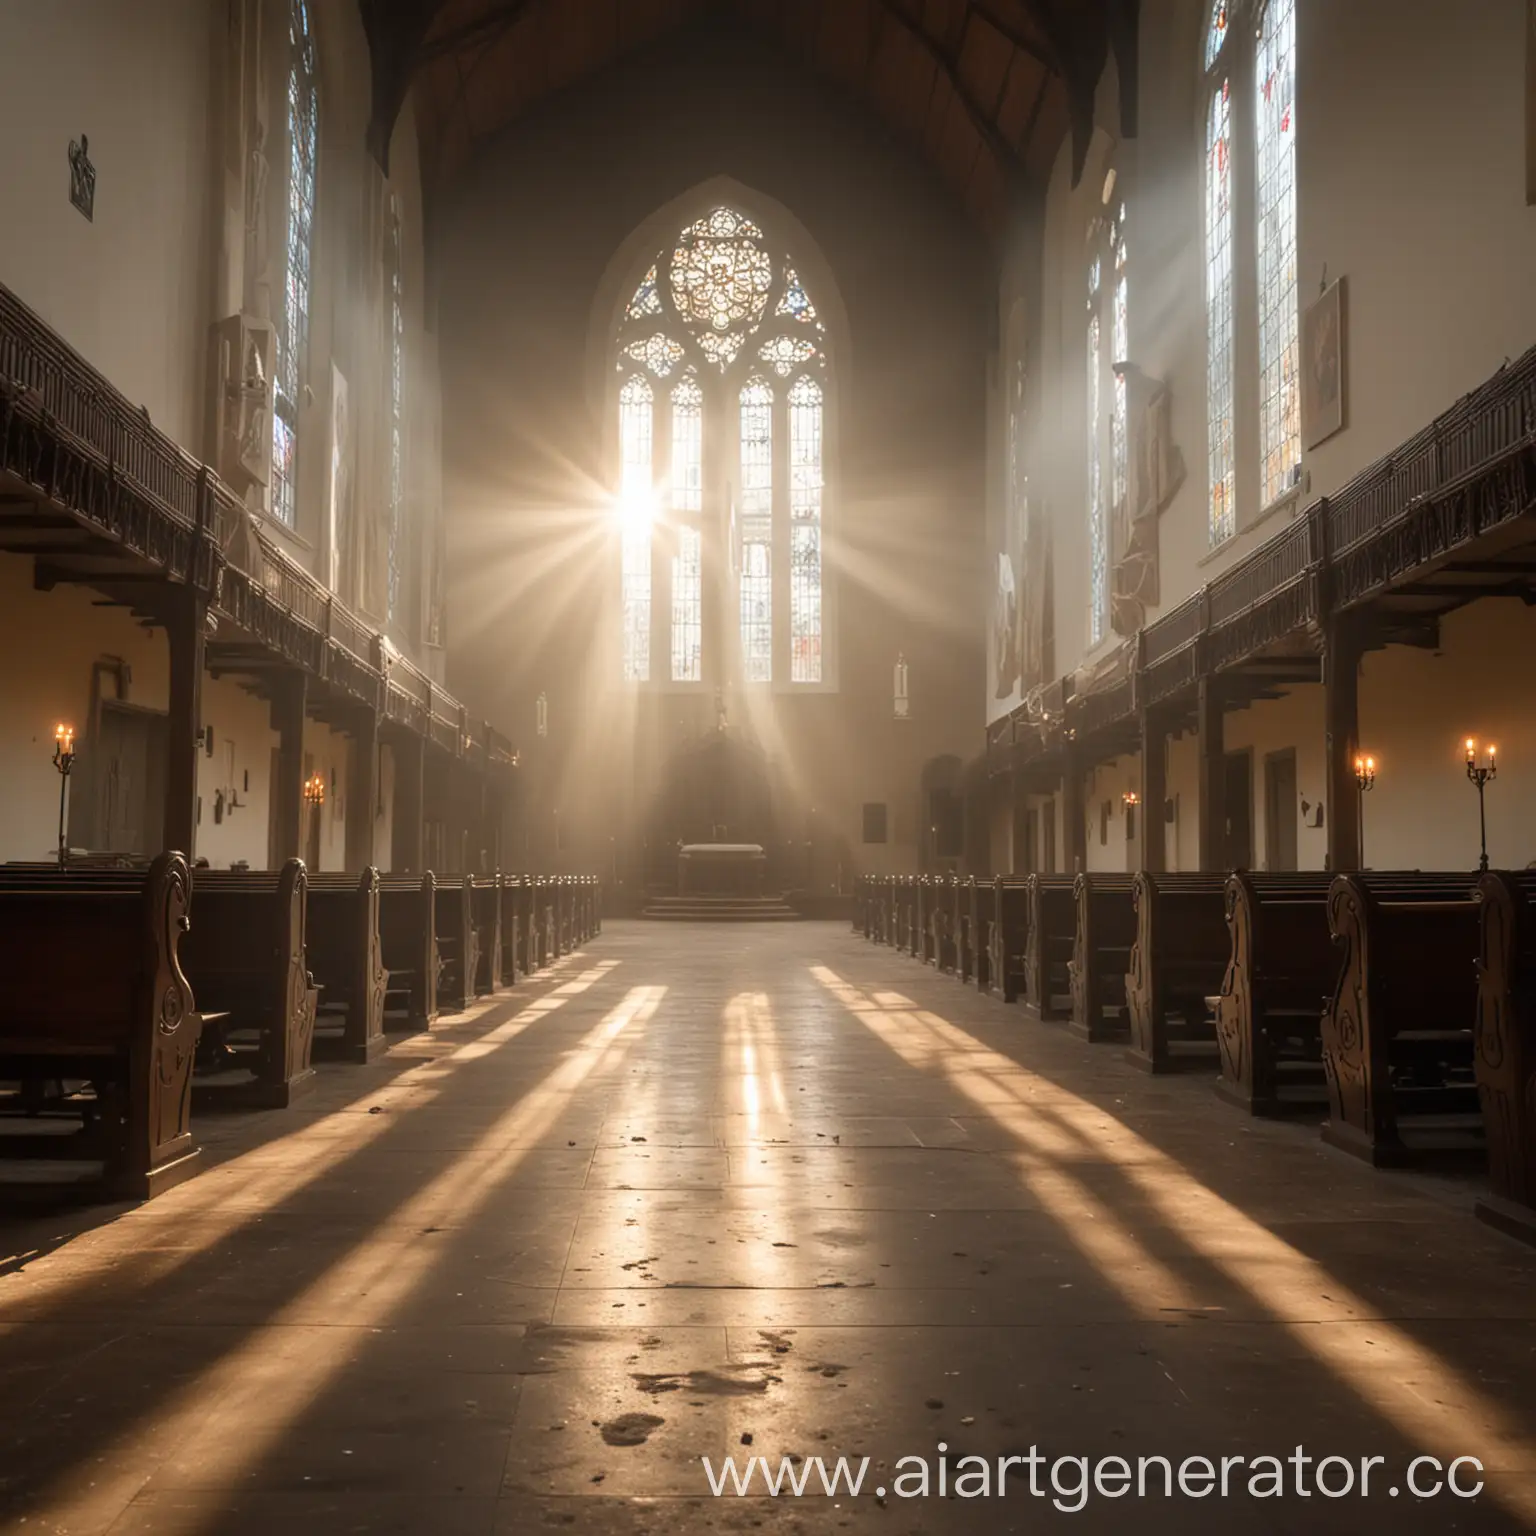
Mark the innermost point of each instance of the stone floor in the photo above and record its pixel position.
(758, 1191)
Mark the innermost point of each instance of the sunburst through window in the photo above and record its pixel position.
(303, 116)
(721, 358)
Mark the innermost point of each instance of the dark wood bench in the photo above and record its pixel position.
(1506, 1048)
(457, 954)
(1049, 941)
(977, 959)
(1177, 965)
(341, 936)
(1102, 938)
(933, 938)
(513, 917)
(485, 914)
(95, 996)
(904, 904)
(246, 959)
(1282, 966)
(408, 949)
(1009, 937)
(1398, 1030)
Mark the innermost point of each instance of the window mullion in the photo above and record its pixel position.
(781, 635)
(1245, 280)
(662, 540)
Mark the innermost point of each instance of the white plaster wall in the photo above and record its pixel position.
(1416, 710)
(1183, 833)
(1272, 725)
(131, 290)
(49, 641)
(1411, 149)
(240, 721)
(1108, 783)
(328, 752)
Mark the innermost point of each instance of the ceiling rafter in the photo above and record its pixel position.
(984, 125)
(444, 43)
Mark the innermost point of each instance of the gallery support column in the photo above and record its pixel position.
(410, 758)
(1342, 650)
(290, 697)
(1154, 792)
(1074, 830)
(186, 632)
(363, 791)
(1213, 768)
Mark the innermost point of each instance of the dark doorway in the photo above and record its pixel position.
(1048, 838)
(1280, 810)
(129, 779)
(1238, 803)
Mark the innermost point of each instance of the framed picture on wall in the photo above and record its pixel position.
(1322, 366)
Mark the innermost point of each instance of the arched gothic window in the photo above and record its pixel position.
(395, 298)
(1250, 263)
(722, 419)
(303, 115)
(1108, 429)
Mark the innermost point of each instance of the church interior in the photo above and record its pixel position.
(766, 767)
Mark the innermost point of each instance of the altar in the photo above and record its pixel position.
(721, 869)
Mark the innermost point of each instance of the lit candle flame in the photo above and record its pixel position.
(64, 735)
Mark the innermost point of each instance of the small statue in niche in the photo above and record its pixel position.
(1156, 473)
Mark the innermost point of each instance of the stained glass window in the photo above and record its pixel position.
(1220, 320)
(646, 300)
(659, 353)
(396, 409)
(786, 353)
(1098, 530)
(1216, 33)
(303, 112)
(687, 504)
(731, 327)
(757, 531)
(805, 531)
(635, 494)
(1275, 122)
(720, 272)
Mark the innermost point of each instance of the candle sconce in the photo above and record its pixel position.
(1131, 800)
(1365, 777)
(1482, 772)
(63, 760)
(314, 790)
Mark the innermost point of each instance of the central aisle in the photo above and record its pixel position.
(757, 1191)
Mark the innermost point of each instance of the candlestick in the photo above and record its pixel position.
(1482, 775)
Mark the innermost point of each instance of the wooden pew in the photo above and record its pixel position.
(904, 901)
(1398, 1030)
(1282, 967)
(1506, 1048)
(408, 947)
(1105, 930)
(511, 928)
(347, 964)
(1049, 940)
(246, 960)
(94, 993)
(485, 915)
(1009, 938)
(457, 953)
(978, 919)
(1178, 961)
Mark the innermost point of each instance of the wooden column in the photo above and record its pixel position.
(363, 791)
(290, 693)
(1019, 788)
(1074, 830)
(410, 755)
(1341, 721)
(1213, 768)
(186, 633)
(1154, 792)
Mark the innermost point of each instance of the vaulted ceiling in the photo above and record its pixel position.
(986, 90)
